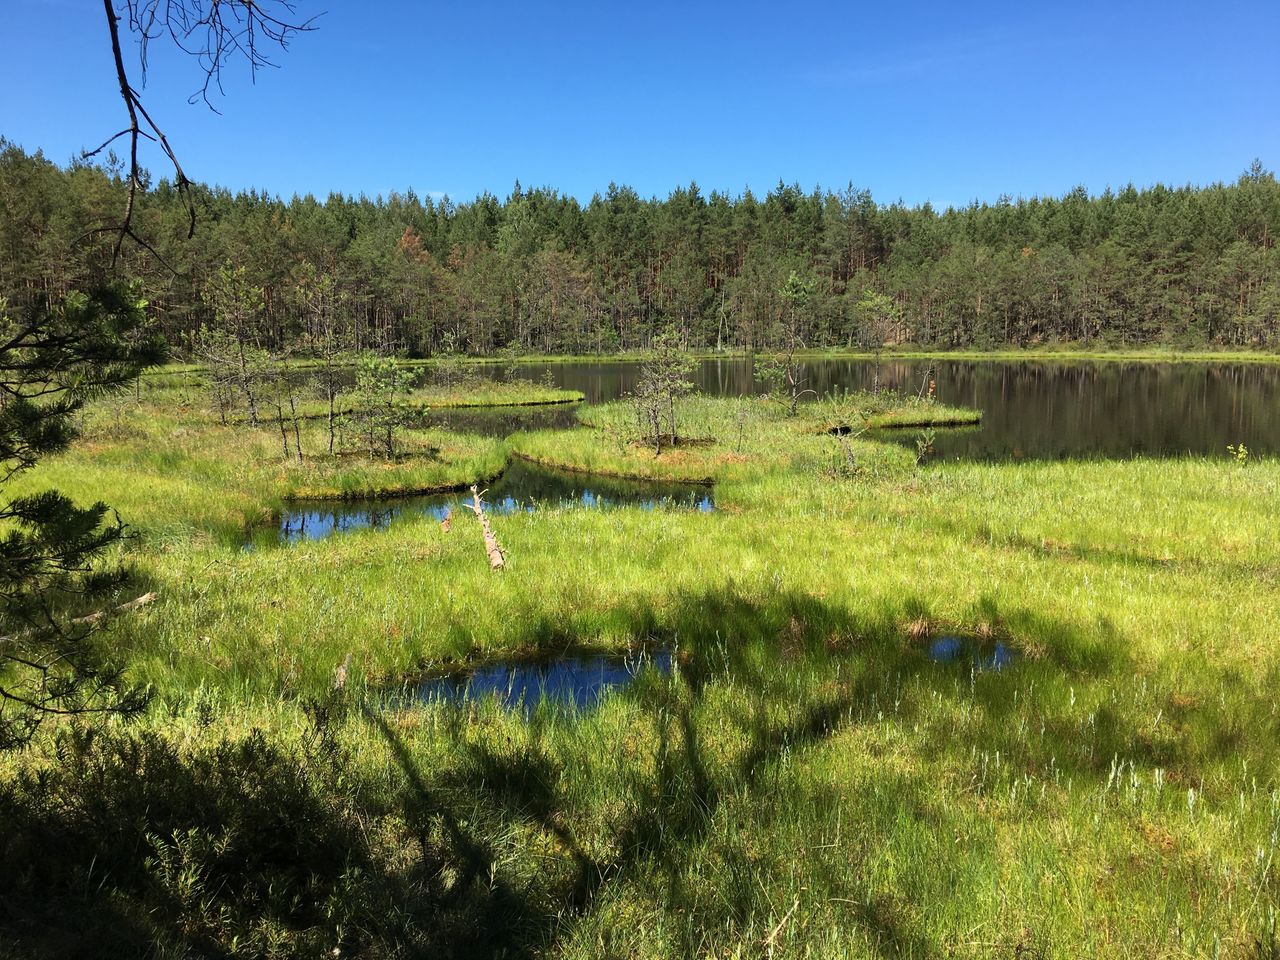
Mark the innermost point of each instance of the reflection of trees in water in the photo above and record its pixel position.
(1030, 409)
(311, 522)
(522, 486)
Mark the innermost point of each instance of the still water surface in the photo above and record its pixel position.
(573, 681)
(977, 654)
(1031, 409)
(522, 487)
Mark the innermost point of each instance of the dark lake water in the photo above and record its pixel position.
(522, 486)
(1031, 410)
(574, 681)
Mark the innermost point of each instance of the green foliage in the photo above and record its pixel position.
(876, 318)
(780, 372)
(797, 292)
(663, 383)
(770, 372)
(237, 303)
(1191, 266)
(236, 363)
(239, 846)
(924, 444)
(449, 367)
(329, 339)
(51, 364)
(380, 410)
(237, 373)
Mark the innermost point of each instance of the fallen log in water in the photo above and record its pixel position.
(496, 560)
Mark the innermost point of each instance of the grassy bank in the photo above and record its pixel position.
(809, 782)
(475, 394)
(178, 475)
(509, 393)
(735, 438)
(187, 381)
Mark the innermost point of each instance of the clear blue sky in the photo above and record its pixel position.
(915, 100)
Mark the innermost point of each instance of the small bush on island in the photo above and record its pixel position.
(664, 381)
(380, 410)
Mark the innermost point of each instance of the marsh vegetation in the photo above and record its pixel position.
(901, 707)
(553, 578)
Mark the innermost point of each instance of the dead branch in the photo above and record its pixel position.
(771, 940)
(93, 619)
(491, 547)
(215, 33)
(340, 674)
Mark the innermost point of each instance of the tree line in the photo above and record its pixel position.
(542, 272)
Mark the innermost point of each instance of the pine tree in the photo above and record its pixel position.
(52, 362)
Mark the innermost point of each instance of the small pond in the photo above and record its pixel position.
(522, 486)
(980, 655)
(1032, 409)
(575, 681)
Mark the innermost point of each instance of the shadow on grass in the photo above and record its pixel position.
(141, 846)
(760, 647)
(1104, 555)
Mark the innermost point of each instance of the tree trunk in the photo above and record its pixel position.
(246, 387)
(297, 434)
(284, 435)
(332, 396)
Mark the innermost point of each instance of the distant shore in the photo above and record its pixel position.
(1063, 353)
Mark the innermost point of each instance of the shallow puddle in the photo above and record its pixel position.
(982, 655)
(577, 681)
(523, 486)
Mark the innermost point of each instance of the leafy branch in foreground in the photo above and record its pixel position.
(51, 363)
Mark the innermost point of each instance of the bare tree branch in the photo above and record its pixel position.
(213, 32)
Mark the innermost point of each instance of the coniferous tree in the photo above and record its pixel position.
(379, 408)
(1186, 266)
(52, 362)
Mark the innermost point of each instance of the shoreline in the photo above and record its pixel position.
(1064, 354)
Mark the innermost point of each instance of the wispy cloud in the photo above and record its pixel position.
(920, 60)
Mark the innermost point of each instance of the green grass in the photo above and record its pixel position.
(864, 410)
(808, 783)
(472, 393)
(177, 475)
(187, 381)
(732, 438)
(510, 393)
